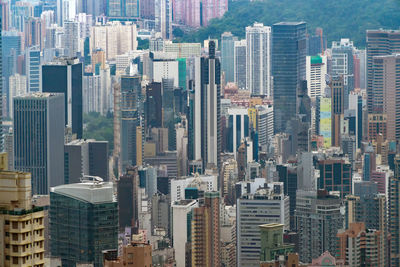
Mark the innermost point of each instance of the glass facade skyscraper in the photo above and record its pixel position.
(39, 139)
(289, 51)
(83, 222)
(65, 76)
(122, 8)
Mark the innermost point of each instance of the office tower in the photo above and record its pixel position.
(164, 66)
(379, 43)
(33, 68)
(122, 8)
(289, 49)
(84, 157)
(160, 212)
(262, 121)
(135, 254)
(205, 232)
(211, 111)
(338, 108)
(64, 75)
(127, 188)
(358, 246)
(39, 139)
(163, 18)
(114, 38)
(369, 163)
(343, 65)
(287, 174)
(385, 74)
(227, 55)
(335, 175)
(66, 11)
(377, 126)
(240, 50)
(356, 105)
(22, 223)
(202, 183)
(258, 59)
(316, 43)
(272, 244)
(78, 228)
(5, 15)
(17, 86)
(316, 71)
(394, 210)
(253, 210)
(182, 50)
(70, 38)
(182, 215)
(318, 219)
(153, 105)
(212, 9)
(238, 128)
(131, 138)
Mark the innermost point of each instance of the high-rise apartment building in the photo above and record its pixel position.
(316, 71)
(394, 214)
(386, 87)
(78, 228)
(379, 43)
(227, 55)
(289, 50)
(114, 38)
(318, 219)
(240, 52)
(163, 18)
(206, 248)
(64, 75)
(22, 225)
(39, 139)
(360, 246)
(258, 59)
(213, 9)
(253, 210)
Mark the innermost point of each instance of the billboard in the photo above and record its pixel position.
(325, 123)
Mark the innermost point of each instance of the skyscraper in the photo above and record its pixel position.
(240, 51)
(258, 63)
(379, 43)
(212, 9)
(122, 8)
(33, 68)
(163, 18)
(338, 108)
(83, 222)
(24, 223)
(85, 157)
(205, 231)
(317, 70)
(318, 219)
(39, 139)
(227, 55)
(131, 137)
(289, 50)
(64, 75)
(1, 86)
(253, 210)
(394, 214)
(386, 87)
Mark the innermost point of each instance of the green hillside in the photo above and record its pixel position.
(338, 18)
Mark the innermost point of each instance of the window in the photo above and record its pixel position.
(15, 237)
(15, 260)
(15, 248)
(15, 225)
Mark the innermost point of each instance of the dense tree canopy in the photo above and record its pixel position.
(99, 127)
(339, 18)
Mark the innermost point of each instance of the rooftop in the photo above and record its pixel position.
(38, 95)
(95, 192)
(290, 23)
